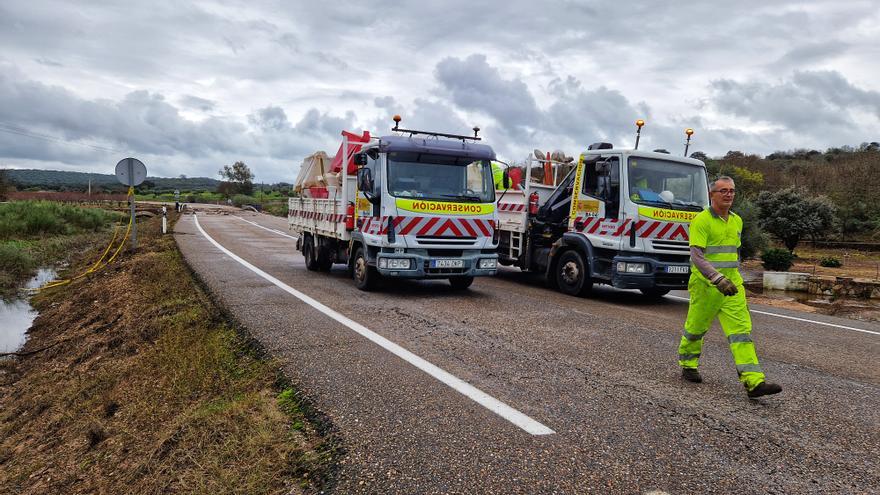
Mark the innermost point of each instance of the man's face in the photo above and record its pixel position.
(723, 193)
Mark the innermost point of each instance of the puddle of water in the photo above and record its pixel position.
(17, 315)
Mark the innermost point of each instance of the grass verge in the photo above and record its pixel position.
(41, 233)
(145, 387)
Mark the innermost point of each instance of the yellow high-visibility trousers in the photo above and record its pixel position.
(706, 304)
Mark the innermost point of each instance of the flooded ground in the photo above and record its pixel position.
(17, 315)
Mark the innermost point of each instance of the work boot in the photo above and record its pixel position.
(691, 375)
(764, 388)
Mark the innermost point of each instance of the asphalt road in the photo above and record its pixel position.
(600, 372)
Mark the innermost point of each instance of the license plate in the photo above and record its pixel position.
(678, 269)
(447, 263)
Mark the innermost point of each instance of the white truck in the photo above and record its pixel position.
(620, 217)
(413, 205)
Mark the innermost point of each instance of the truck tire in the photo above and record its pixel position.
(309, 253)
(366, 277)
(460, 283)
(654, 293)
(572, 275)
(323, 259)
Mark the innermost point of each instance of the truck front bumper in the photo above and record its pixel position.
(656, 275)
(420, 266)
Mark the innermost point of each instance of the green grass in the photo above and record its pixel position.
(42, 233)
(30, 219)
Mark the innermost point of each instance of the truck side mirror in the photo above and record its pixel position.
(506, 180)
(365, 183)
(603, 168)
(360, 159)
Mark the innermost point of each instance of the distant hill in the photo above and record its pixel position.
(58, 180)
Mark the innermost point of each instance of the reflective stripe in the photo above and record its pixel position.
(744, 368)
(685, 357)
(692, 337)
(720, 249)
(725, 264)
(739, 337)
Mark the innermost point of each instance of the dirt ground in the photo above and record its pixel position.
(855, 264)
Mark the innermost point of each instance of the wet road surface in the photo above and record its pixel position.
(600, 373)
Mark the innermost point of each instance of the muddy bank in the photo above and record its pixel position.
(132, 381)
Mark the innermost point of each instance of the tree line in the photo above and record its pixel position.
(805, 194)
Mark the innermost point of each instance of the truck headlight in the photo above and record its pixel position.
(623, 267)
(395, 263)
(488, 263)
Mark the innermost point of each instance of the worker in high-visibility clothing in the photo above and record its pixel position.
(716, 290)
(498, 176)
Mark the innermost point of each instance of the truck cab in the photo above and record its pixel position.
(425, 208)
(620, 217)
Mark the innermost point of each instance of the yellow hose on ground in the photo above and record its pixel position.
(97, 266)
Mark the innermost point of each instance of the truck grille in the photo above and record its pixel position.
(445, 241)
(679, 246)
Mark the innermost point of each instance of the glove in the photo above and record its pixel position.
(724, 285)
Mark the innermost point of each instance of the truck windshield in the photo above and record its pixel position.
(667, 183)
(440, 177)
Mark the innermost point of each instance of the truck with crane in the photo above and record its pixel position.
(416, 204)
(619, 217)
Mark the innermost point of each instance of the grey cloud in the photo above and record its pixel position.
(270, 118)
(141, 122)
(48, 62)
(474, 85)
(810, 53)
(812, 103)
(196, 103)
(591, 114)
(323, 124)
(386, 102)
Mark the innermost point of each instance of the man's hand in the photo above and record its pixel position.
(724, 285)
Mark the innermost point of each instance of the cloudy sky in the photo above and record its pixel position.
(190, 86)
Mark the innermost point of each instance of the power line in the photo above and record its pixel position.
(21, 131)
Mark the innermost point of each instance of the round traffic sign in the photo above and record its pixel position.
(131, 171)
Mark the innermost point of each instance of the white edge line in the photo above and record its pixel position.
(510, 414)
(266, 228)
(796, 318)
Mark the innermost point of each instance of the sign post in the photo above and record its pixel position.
(131, 172)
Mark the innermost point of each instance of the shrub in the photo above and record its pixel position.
(21, 219)
(15, 259)
(830, 262)
(791, 214)
(777, 260)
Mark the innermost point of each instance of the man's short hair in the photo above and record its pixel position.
(724, 178)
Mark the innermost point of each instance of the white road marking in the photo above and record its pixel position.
(266, 228)
(510, 414)
(844, 327)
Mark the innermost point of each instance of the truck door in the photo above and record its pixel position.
(596, 212)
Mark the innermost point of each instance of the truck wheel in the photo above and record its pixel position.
(572, 277)
(654, 293)
(309, 253)
(323, 260)
(460, 283)
(365, 276)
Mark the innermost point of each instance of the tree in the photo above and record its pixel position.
(4, 184)
(791, 215)
(699, 155)
(239, 179)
